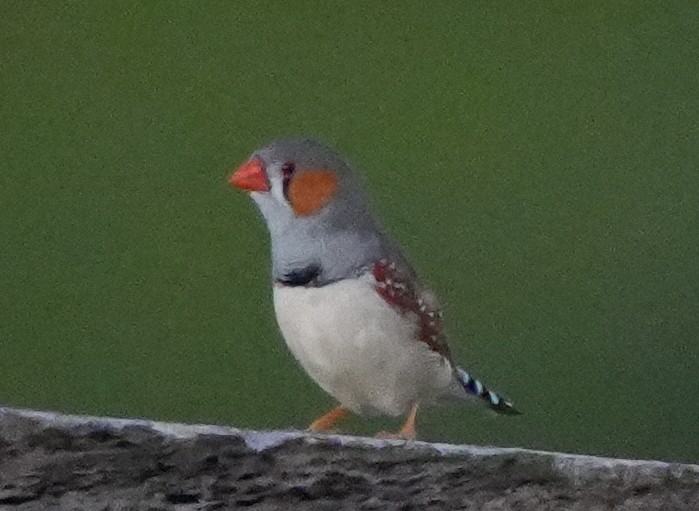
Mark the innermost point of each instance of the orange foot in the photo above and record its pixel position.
(407, 432)
(328, 420)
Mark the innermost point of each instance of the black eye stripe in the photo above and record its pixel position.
(288, 169)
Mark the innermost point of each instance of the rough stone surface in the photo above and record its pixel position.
(50, 461)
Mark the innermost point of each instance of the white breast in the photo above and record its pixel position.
(358, 348)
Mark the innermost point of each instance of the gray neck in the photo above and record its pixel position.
(336, 251)
(338, 245)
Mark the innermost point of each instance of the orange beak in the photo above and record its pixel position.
(250, 176)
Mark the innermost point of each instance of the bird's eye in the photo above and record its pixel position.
(288, 169)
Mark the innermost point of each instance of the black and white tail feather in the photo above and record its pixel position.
(475, 387)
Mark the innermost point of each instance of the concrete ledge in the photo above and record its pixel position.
(52, 461)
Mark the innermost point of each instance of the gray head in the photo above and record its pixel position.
(313, 202)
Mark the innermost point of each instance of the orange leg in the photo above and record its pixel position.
(407, 432)
(328, 420)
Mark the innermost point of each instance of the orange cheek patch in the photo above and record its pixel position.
(311, 190)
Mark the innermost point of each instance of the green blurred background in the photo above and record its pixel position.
(538, 162)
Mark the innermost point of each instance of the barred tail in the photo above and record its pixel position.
(475, 387)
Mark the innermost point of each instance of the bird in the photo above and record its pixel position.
(348, 303)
